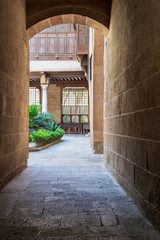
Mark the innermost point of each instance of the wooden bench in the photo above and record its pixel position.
(86, 128)
(75, 128)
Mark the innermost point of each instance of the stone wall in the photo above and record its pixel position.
(98, 84)
(14, 89)
(132, 102)
(90, 81)
(54, 101)
(96, 90)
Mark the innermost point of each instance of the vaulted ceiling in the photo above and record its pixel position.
(38, 10)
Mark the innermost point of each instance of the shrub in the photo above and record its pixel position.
(34, 110)
(42, 128)
(44, 136)
(54, 126)
(31, 138)
(39, 120)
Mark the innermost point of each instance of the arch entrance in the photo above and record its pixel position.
(63, 19)
(38, 10)
(132, 104)
(92, 64)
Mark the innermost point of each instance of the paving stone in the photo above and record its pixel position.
(67, 194)
(108, 219)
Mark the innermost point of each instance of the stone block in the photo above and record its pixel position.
(98, 136)
(42, 25)
(56, 20)
(153, 154)
(125, 169)
(98, 147)
(148, 186)
(151, 119)
(2, 103)
(79, 19)
(129, 125)
(155, 18)
(97, 25)
(68, 18)
(31, 32)
(98, 70)
(54, 102)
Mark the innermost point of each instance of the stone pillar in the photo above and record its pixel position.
(44, 98)
(44, 84)
(96, 90)
(14, 89)
(54, 101)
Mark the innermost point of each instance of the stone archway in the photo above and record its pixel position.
(132, 108)
(97, 92)
(63, 19)
(37, 11)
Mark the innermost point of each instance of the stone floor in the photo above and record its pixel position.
(66, 193)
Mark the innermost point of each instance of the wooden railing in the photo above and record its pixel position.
(76, 128)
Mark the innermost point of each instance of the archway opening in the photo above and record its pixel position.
(89, 61)
(131, 106)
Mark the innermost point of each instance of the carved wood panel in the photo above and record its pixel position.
(42, 44)
(52, 43)
(61, 43)
(59, 40)
(83, 39)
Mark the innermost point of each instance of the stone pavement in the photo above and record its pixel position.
(66, 193)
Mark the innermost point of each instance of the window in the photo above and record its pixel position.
(60, 39)
(84, 119)
(66, 119)
(75, 105)
(34, 96)
(75, 119)
(75, 97)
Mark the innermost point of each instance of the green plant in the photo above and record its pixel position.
(54, 126)
(44, 136)
(42, 128)
(60, 131)
(39, 120)
(44, 120)
(31, 138)
(34, 110)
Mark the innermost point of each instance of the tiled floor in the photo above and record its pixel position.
(66, 193)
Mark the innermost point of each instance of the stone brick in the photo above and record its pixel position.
(154, 8)
(98, 147)
(151, 120)
(56, 20)
(148, 186)
(134, 150)
(1, 147)
(42, 25)
(125, 169)
(54, 102)
(129, 125)
(31, 32)
(68, 18)
(79, 19)
(153, 157)
(96, 94)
